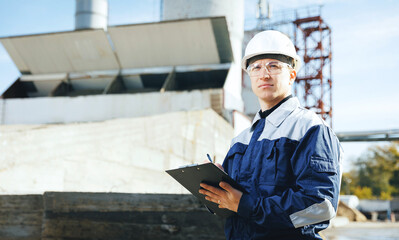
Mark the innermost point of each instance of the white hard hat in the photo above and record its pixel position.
(270, 42)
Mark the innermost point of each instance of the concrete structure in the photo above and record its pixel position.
(234, 13)
(122, 155)
(352, 214)
(351, 200)
(81, 63)
(374, 205)
(380, 209)
(137, 79)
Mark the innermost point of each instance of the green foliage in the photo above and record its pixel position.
(385, 196)
(376, 174)
(363, 193)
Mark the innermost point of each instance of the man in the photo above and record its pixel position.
(288, 160)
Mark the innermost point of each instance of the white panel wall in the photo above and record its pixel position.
(101, 107)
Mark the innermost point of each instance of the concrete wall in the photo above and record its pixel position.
(121, 155)
(44, 110)
(234, 13)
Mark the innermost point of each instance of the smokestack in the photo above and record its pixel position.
(264, 10)
(91, 14)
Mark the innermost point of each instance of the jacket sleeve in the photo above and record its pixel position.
(314, 196)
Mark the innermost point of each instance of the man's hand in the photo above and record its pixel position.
(227, 197)
(217, 164)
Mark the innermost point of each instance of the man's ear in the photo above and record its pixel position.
(292, 77)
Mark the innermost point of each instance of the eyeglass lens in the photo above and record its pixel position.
(273, 68)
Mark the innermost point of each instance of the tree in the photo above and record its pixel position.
(377, 173)
(363, 193)
(394, 181)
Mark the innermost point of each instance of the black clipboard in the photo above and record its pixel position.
(191, 176)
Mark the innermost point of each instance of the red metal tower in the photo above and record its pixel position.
(312, 39)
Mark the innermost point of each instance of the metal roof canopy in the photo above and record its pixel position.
(64, 52)
(141, 55)
(172, 43)
(168, 43)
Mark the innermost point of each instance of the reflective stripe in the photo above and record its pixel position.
(244, 137)
(316, 213)
(293, 127)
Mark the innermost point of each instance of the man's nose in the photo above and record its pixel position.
(264, 72)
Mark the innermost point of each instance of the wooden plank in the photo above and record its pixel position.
(81, 216)
(196, 225)
(127, 216)
(106, 202)
(21, 216)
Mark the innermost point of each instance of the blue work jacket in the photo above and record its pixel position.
(289, 162)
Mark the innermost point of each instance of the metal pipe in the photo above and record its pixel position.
(369, 136)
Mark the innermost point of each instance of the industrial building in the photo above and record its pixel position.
(177, 79)
(105, 110)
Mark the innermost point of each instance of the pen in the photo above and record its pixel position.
(209, 157)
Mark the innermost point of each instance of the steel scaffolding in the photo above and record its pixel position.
(312, 39)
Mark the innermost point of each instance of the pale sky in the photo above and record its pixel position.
(365, 38)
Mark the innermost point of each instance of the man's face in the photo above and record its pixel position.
(271, 89)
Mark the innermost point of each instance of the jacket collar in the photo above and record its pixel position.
(280, 114)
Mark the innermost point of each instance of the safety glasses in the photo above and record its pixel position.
(272, 68)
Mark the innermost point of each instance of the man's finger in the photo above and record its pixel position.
(212, 189)
(211, 199)
(219, 166)
(226, 186)
(210, 194)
